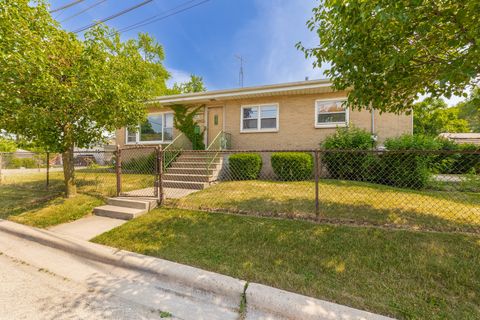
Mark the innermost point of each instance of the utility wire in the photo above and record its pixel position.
(113, 16)
(84, 10)
(157, 15)
(163, 15)
(68, 5)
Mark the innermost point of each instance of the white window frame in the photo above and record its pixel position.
(330, 124)
(259, 119)
(137, 136)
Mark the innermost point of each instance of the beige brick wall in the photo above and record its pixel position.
(296, 123)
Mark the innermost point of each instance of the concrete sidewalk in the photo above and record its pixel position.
(184, 291)
(88, 227)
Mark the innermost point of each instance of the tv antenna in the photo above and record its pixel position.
(240, 74)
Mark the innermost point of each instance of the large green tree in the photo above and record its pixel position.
(433, 116)
(470, 110)
(390, 52)
(61, 91)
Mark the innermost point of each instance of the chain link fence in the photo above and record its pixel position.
(404, 189)
(424, 190)
(94, 171)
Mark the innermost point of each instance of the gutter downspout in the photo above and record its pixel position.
(372, 126)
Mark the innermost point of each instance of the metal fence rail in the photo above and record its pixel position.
(425, 190)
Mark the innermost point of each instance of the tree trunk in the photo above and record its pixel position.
(69, 173)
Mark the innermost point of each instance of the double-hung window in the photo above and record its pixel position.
(256, 118)
(330, 113)
(158, 128)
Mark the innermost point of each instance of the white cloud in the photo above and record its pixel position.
(177, 76)
(268, 43)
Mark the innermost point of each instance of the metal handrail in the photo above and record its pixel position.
(221, 142)
(171, 152)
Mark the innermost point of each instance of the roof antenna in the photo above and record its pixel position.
(240, 74)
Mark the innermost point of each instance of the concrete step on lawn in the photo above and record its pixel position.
(184, 184)
(187, 177)
(190, 171)
(198, 159)
(182, 164)
(143, 203)
(118, 212)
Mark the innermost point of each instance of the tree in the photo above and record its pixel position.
(470, 110)
(62, 92)
(194, 85)
(433, 116)
(390, 52)
(7, 145)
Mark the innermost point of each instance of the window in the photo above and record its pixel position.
(330, 114)
(157, 128)
(259, 118)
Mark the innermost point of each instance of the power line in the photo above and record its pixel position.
(162, 15)
(68, 5)
(113, 16)
(84, 10)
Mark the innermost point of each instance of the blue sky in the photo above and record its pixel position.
(205, 39)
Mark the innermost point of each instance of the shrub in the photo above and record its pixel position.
(408, 169)
(467, 163)
(141, 164)
(292, 166)
(413, 142)
(245, 166)
(16, 163)
(350, 165)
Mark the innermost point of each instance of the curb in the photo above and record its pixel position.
(289, 305)
(272, 303)
(199, 279)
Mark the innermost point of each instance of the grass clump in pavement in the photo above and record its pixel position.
(404, 274)
(58, 210)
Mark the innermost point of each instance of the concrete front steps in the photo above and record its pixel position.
(125, 208)
(191, 170)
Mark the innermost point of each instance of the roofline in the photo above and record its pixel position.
(238, 92)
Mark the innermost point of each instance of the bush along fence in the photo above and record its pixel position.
(414, 189)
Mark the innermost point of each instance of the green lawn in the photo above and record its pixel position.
(404, 274)
(25, 199)
(346, 200)
(58, 210)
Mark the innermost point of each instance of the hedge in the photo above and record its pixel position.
(350, 165)
(245, 166)
(141, 164)
(292, 166)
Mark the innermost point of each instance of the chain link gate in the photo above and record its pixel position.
(138, 171)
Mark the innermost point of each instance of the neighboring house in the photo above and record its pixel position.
(472, 138)
(296, 115)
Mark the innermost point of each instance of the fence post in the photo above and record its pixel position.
(118, 169)
(48, 169)
(160, 175)
(316, 165)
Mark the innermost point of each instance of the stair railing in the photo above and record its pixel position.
(221, 142)
(174, 149)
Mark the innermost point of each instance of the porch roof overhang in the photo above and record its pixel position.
(291, 88)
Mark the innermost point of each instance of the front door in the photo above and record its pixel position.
(215, 122)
